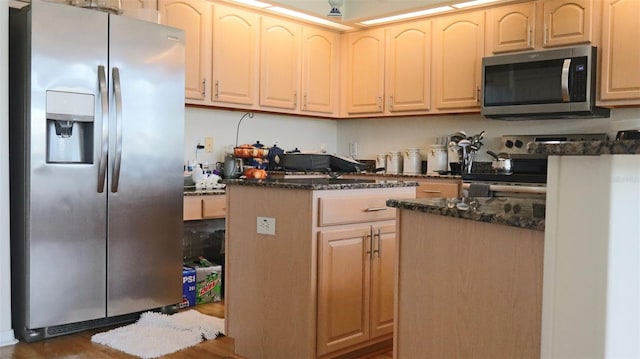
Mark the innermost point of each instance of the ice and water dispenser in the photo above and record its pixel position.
(70, 125)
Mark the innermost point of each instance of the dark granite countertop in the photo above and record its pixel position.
(516, 212)
(320, 183)
(586, 148)
(407, 176)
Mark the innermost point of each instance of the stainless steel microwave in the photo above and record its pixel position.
(558, 83)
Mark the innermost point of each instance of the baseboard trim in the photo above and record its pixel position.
(7, 338)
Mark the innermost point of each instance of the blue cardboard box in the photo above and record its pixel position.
(188, 287)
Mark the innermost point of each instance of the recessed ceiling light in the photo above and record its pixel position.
(254, 3)
(407, 15)
(308, 17)
(472, 3)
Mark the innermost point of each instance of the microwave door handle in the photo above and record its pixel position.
(564, 80)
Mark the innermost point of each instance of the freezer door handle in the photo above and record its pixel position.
(104, 148)
(117, 90)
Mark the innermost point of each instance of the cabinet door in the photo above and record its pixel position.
(194, 17)
(214, 206)
(511, 28)
(383, 279)
(365, 71)
(620, 36)
(458, 51)
(567, 22)
(234, 65)
(343, 288)
(192, 208)
(320, 70)
(408, 67)
(279, 63)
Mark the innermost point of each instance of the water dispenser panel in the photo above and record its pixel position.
(70, 125)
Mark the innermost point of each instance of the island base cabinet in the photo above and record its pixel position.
(355, 286)
(467, 289)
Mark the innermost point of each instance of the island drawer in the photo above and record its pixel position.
(345, 210)
(204, 207)
(437, 190)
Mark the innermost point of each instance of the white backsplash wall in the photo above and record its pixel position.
(286, 131)
(381, 135)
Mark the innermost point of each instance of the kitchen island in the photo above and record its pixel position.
(469, 277)
(310, 265)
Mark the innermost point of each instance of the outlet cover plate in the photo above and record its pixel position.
(266, 225)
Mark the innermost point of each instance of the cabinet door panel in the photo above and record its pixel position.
(343, 288)
(511, 28)
(319, 70)
(234, 65)
(620, 36)
(567, 22)
(408, 67)
(279, 63)
(192, 208)
(214, 207)
(194, 17)
(383, 280)
(458, 51)
(365, 71)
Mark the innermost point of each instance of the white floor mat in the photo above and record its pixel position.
(156, 334)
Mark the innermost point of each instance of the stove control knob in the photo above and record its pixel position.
(519, 144)
(508, 144)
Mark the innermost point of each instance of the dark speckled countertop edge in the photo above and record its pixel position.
(513, 220)
(315, 184)
(586, 148)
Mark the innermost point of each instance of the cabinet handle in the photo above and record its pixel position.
(477, 94)
(529, 35)
(217, 88)
(379, 237)
(390, 102)
(544, 37)
(204, 87)
(295, 99)
(376, 209)
(430, 191)
(304, 100)
(379, 103)
(370, 238)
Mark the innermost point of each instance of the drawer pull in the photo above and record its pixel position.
(430, 191)
(376, 209)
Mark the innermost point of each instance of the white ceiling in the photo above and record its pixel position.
(356, 10)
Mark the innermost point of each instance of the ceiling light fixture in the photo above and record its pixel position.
(253, 3)
(407, 15)
(308, 17)
(473, 3)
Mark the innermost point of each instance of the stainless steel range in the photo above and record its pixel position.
(528, 176)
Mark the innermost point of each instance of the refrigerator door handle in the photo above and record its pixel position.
(117, 90)
(102, 166)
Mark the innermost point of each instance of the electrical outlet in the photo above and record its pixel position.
(353, 149)
(208, 144)
(266, 225)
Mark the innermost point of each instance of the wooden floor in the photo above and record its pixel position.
(79, 346)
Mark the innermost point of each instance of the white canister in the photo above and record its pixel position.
(412, 162)
(381, 160)
(437, 159)
(394, 163)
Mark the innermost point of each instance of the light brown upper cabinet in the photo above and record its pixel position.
(511, 28)
(568, 22)
(279, 63)
(620, 52)
(408, 67)
(364, 72)
(234, 59)
(457, 58)
(320, 70)
(194, 17)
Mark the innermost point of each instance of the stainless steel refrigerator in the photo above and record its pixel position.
(96, 156)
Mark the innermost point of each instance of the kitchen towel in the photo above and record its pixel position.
(156, 334)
